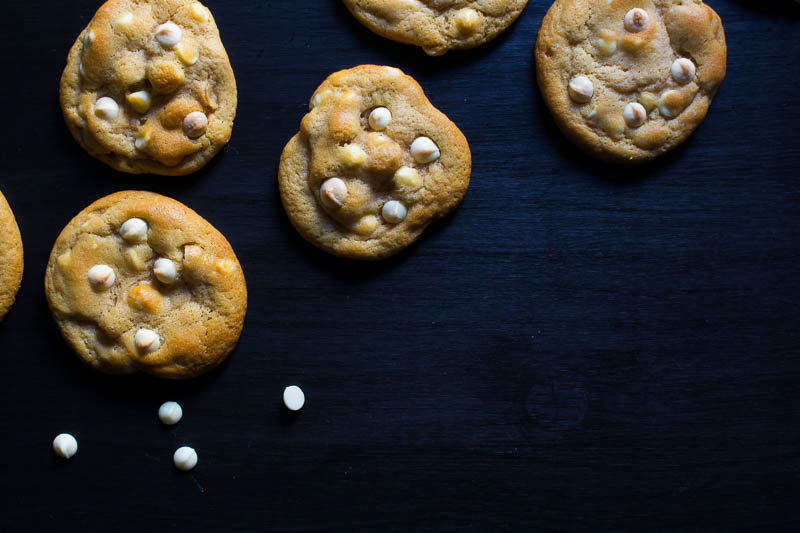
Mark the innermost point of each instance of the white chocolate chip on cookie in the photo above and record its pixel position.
(168, 34)
(607, 42)
(467, 20)
(146, 340)
(88, 38)
(106, 108)
(124, 20)
(683, 70)
(134, 230)
(581, 89)
(333, 193)
(140, 101)
(636, 20)
(101, 277)
(407, 178)
(353, 155)
(187, 52)
(367, 225)
(424, 150)
(634, 114)
(393, 212)
(195, 124)
(198, 12)
(380, 118)
(165, 271)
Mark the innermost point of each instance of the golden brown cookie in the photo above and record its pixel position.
(373, 164)
(138, 281)
(437, 25)
(11, 260)
(628, 80)
(148, 87)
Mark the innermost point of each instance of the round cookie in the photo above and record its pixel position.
(138, 281)
(11, 260)
(373, 164)
(148, 87)
(437, 25)
(627, 80)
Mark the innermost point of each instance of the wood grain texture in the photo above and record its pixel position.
(579, 347)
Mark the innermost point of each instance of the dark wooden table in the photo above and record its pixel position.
(580, 347)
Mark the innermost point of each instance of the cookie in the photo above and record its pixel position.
(437, 25)
(373, 164)
(138, 281)
(628, 80)
(148, 87)
(11, 260)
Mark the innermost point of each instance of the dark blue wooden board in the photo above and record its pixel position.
(579, 347)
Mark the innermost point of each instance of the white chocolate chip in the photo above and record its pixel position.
(139, 101)
(165, 271)
(106, 108)
(187, 53)
(102, 277)
(683, 70)
(424, 150)
(185, 458)
(134, 230)
(141, 142)
(665, 110)
(636, 19)
(407, 178)
(125, 19)
(293, 398)
(88, 38)
(82, 70)
(168, 34)
(65, 445)
(198, 12)
(146, 340)
(333, 193)
(367, 225)
(634, 114)
(380, 118)
(195, 124)
(581, 89)
(393, 212)
(467, 20)
(353, 155)
(170, 413)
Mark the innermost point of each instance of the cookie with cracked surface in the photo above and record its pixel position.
(11, 257)
(148, 87)
(437, 25)
(373, 164)
(138, 281)
(627, 80)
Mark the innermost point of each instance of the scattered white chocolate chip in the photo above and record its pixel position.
(424, 150)
(634, 114)
(187, 53)
(636, 19)
(467, 20)
(581, 89)
(165, 271)
(168, 34)
(380, 118)
(683, 70)
(408, 178)
(198, 12)
(293, 398)
(353, 155)
(125, 19)
(139, 101)
(185, 458)
(65, 445)
(106, 108)
(102, 277)
(170, 413)
(146, 340)
(393, 212)
(333, 193)
(133, 230)
(195, 124)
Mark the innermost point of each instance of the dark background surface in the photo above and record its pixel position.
(580, 347)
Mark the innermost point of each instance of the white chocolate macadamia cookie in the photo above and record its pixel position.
(373, 164)
(148, 87)
(138, 281)
(437, 25)
(627, 80)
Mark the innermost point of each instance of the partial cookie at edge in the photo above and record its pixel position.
(11, 257)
